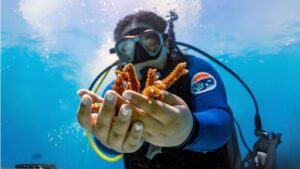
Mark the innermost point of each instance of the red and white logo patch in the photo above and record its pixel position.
(202, 82)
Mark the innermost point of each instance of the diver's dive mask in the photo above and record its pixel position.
(150, 41)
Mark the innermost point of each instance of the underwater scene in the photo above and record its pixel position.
(52, 48)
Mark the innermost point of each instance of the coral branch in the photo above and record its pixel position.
(175, 75)
(152, 92)
(133, 79)
(95, 107)
(151, 77)
(118, 83)
(127, 80)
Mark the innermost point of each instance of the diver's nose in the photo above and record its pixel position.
(140, 54)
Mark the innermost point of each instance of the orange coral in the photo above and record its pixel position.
(95, 107)
(152, 92)
(179, 71)
(118, 83)
(132, 77)
(151, 77)
(154, 89)
(127, 80)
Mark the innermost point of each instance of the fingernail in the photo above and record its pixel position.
(125, 111)
(138, 127)
(127, 95)
(110, 97)
(78, 92)
(85, 101)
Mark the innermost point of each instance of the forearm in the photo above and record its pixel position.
(212, 129)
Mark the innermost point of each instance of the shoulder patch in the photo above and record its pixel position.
(202, 82)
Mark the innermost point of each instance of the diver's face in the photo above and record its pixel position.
(139, 45)
(145, 46)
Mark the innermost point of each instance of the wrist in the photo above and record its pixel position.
(191, 134)
(188, 130)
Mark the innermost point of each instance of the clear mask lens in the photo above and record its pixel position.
(151, 41)
(125, 49)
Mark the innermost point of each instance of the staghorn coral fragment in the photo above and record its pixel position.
(156, 92)
(132, 77)
(95, 107)
(118, 83)
(151, 77)
(124, 75)
(154, 89)
(159, 85)
(179, 71)
(152, 92)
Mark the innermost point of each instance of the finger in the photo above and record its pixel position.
(105, 117)
(95, 97)
(134, 140)
(158, 110)
(84, 112)
(150, 124)
(120, 127)
(172, 99)
(139, 115)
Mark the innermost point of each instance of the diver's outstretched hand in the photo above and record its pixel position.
(115, 135)
(173, 118)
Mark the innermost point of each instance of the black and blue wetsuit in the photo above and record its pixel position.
(212, 129)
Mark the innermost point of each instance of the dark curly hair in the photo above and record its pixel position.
(147, 17)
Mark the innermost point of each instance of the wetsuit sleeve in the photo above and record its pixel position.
(213, 123)
(98, 143)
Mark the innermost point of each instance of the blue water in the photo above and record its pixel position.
(39, 115)
(39, 102)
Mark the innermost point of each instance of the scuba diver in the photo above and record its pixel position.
(191, 127)
(193, 124)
